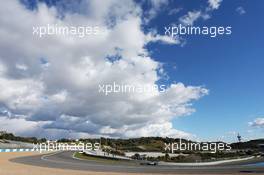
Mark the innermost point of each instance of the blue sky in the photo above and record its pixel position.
(60, 98)
(230, 67)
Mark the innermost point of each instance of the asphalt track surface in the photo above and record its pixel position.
(65, 160)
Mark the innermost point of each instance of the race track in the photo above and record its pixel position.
(64, 160)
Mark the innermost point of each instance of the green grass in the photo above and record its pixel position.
(103, 160)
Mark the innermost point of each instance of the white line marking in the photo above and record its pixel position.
(76, 157)
(44, 157)
(47, 155)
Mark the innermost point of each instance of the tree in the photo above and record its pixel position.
(136, 156)
(167, 157)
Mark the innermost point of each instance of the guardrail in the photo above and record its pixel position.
(105, 155)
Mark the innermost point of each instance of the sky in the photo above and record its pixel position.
(214, 85)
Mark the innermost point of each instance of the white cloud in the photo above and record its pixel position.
(240, 10)
(60, 94)
(21, 94)
(258, 122)
(11, 125)
(204, 13)
(21, 67)
(190, 17)
(214, 4)
(155, 7)
(154, 37)
(174, 11)
(163, 129)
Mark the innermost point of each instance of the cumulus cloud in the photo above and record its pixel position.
(258, 122)
(21, 125)
(51, 83)
(214, 4)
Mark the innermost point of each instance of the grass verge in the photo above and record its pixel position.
(84, 156)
